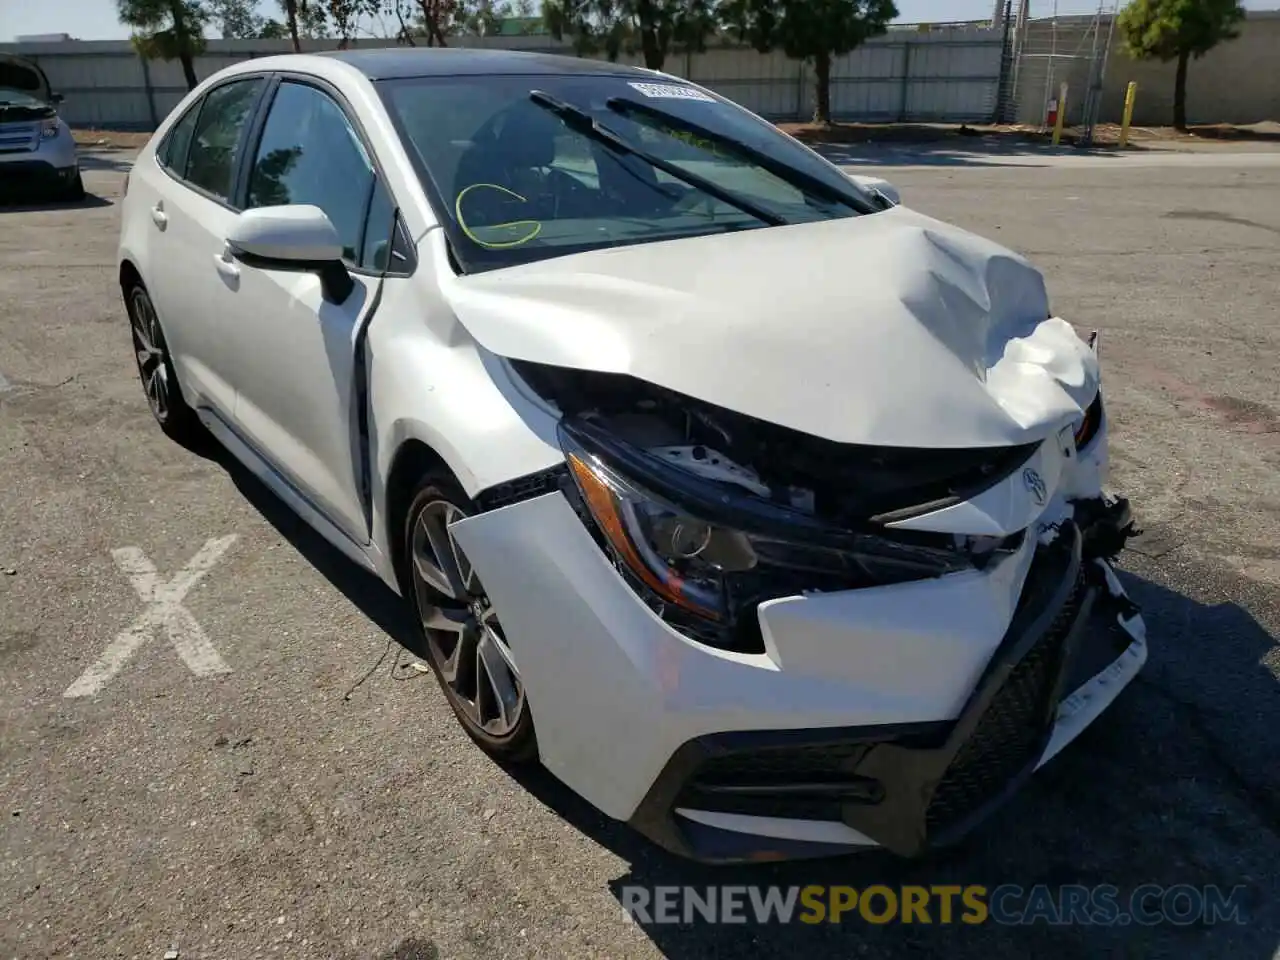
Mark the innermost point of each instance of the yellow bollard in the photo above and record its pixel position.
(1062, 113)
(1130, 96)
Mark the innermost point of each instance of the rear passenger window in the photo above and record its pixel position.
(173, 155)
(211, 160)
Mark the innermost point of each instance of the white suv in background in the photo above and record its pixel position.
(37, 152)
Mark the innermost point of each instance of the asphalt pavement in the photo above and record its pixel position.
(211, 744)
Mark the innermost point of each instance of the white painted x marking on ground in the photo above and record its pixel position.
(164, 609)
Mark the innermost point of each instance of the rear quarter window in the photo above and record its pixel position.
(218, 136)
(172, 154)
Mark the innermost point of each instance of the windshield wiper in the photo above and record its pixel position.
(802, 181)
(582, 122)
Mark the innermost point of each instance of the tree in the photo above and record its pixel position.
(653, 27)
(290, 8)
(313, 23)
(810, 30)
(481, 18)
(344, 15)
(167, 30)
(303, 18)
(437, 19)
(1178, 30)
(272, 30)
(402, 10)
(237, 20)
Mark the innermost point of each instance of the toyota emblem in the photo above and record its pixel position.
(1035, 485)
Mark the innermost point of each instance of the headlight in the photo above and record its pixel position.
(49, 129)
(704, 557)
(1088, 428)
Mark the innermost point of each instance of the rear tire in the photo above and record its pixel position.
(156, 370)
(458, 625)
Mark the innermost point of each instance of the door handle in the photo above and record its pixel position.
(226, 265)
(158, 216)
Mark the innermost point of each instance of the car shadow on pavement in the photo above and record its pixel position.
(1175, 784)
(108, 160)
(962, 152)
(369, 594)
(89, 202)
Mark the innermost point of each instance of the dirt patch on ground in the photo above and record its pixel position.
(111, 138)
(840, 133)
(859, 133)
(1104, 134)
(1268, 130)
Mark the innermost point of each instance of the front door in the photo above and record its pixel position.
(296, 399)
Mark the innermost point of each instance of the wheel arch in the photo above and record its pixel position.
(413, 459)
(129, 274)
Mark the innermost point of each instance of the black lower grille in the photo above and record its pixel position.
(1011, 732)
(784, 764)
(759, 782)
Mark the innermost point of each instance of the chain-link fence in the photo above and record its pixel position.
(1046, 49)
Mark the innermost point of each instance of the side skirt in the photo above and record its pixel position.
(311, 514)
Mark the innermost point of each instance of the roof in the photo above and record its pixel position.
(389, 63)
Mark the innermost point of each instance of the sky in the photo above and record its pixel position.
(96, 19)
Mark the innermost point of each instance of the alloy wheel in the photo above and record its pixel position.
(148, 348)
(461, 626)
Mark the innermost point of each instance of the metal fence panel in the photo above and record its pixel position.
(768, 84)
(945, 74)
(866, 83)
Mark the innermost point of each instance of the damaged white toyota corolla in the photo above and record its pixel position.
(776, 508)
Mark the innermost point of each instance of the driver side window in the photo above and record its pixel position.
(309, 154)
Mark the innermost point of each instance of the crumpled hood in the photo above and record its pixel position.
(890, 329)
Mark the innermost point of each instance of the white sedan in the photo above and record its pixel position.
(765, 512)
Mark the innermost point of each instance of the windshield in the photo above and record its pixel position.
(524, 168)
(18, 98)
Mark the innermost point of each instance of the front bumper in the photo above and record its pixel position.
(51, 166)
(1074, 643)
(913, 714)
(22, 179)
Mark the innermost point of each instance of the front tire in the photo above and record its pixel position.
(464, 640)
(156, 370)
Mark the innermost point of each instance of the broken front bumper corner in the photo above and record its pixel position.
(910, 788)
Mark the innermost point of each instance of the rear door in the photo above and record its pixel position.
(189, 219)
(295, 353)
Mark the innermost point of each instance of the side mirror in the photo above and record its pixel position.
(56, 99)
(878, 185)
(300, 238)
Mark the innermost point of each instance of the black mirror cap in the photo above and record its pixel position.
(335, 280)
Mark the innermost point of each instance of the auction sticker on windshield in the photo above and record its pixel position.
(671, 91)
